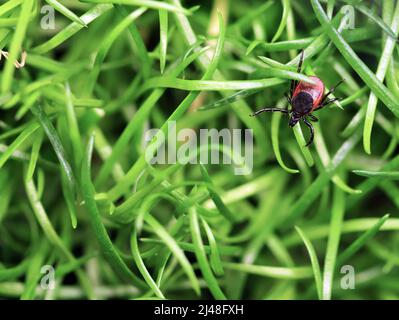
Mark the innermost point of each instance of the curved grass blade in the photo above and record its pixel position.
(12, 273)
(55, 141)
(65, 268)
(107, 43)
(286, 9)
(275, 142)
(69, 199)
(51, 234)
(140, 46)
(33, 273)
(105, 243)
(382, 68)
(142, 268)
(215, 196)
(75, 137)
(215, 260)
(201, 256)
(313, 260)
(37, 143)
(176, 250)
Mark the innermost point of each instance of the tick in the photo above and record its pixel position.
(304, 98)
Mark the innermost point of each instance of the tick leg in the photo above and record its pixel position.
(312, 118)
(311, 131)
(331, 90)
(294, 83)
(288, 98)
(327, 102)
(269, 110)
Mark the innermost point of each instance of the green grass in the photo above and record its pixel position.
(77, 193)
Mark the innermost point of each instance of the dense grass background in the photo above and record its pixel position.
(76, 192)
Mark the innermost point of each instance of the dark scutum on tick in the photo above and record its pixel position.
(304, 98)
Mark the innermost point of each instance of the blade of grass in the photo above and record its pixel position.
(382, 68)
(69, 31)
(150, 4)
(55, 141)
(349, 226)
(75, 137)
(356, 245)
(275, 142)
(51, 234)
(223, 209)
(201, 257)
(302, 145)
(34, 155)
(209, 85)
(23, 136)
(16, 45)
(142, 268)
(139, 44)
(337, 214)
(215, 260)
(163, 25)
(66, 12)
(394, 175)
(176, 250)
(313, 260)
(100, 232)
(33, 274)
(107, 43)
(286, 9)
(8, 6)
(294, 273)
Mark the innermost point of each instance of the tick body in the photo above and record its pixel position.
(304, 98)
